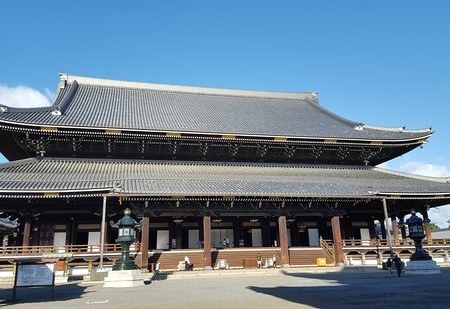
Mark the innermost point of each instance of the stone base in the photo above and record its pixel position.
(98, 275)
(123, 279)
(422, 267)
(61, 279)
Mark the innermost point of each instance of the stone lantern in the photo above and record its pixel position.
(420, 261)
(416, 233)
(127, 236)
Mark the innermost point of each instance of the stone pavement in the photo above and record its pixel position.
(292, 288)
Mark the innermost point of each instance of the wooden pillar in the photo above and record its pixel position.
(144, 241)
(426, 225)
(178, 235)
(265, 232)
(383, 229)
(395, 230)
(26, 232)
(207, 241)
(237, 232)
(322, 228)
(282, 231)
(337, 240)
(388, 230)
(36, 232)
(171, 233)
(295, 236)
(372, 231)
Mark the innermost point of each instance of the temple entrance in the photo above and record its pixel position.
(162, 239)
(194, 239)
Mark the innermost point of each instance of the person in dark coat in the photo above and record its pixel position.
(398, 264)
(389, 265)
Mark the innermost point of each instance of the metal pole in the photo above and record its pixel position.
(388, 229)
(102, 233)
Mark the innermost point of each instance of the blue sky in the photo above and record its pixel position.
(377, 62)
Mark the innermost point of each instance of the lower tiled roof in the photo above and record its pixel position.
(172, 178)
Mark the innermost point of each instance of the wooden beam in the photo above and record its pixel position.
(337, 240)
(144, 241)
(388, 230)
(282, 231)
(427, 227)
(26, 232)
(207, 241)
(395, 229)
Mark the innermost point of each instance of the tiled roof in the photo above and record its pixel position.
(107, 104)
(169, 178)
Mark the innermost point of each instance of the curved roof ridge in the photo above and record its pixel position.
(206, 163)
(187, 89)
(335, 116)
(396, 129)
(415, 176)
(60, 101)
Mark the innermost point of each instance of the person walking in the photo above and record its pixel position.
(398, 264)
(157, 271)
(389, 265)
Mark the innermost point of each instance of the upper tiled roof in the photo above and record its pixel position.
(169, 178)
(108, 104)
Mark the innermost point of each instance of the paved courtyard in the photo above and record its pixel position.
(347, 289)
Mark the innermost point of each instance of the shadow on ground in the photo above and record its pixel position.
(374, 290)
(42, 294)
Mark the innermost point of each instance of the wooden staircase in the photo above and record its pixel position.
(328, 250)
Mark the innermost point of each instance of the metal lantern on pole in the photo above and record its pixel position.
(126, 237)
(416, 233)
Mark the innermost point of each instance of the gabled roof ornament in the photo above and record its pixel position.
(117, 187)
(359, 126)
(63, 80)
(56, 112)
(3, 109)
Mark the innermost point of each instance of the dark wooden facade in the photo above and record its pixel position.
(197, 222)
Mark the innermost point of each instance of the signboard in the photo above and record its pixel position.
(34, 274)
(57, 255)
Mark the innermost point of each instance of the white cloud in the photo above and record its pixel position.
(425, 169)
(22, 96)
(438, 215)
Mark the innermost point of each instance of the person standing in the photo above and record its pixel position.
(259, 261)
(187, 263)
(227, 242)
(398, 264)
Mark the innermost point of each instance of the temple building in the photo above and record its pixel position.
(273, 172)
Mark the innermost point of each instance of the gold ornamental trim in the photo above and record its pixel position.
(330, 141)
(280, 139)
(173, 134)
(51, 194)
(113, 132)
(49, 129)
(228, 136)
